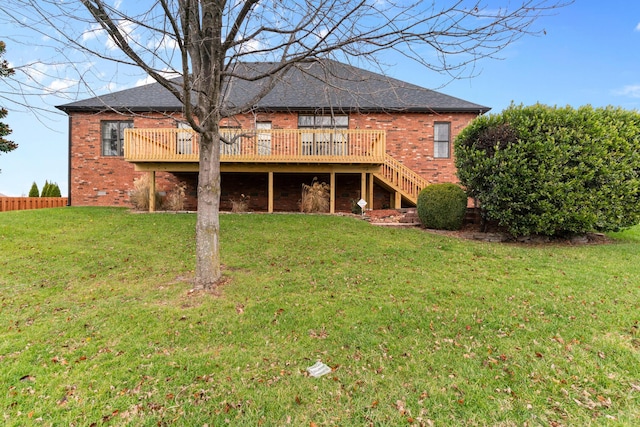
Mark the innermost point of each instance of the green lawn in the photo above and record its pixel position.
(99, 327)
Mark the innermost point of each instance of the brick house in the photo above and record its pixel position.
(366, 135)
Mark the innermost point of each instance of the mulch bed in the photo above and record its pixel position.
(476, 231)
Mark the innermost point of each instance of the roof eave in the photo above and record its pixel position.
(102, 108)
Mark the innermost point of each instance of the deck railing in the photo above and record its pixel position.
(261, 145)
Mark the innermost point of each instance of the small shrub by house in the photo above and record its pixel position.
(442, 206)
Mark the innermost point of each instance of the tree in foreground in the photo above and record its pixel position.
(554, 171)
(5, 71)
(204, 42)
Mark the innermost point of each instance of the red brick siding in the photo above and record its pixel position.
(98, 180)
(410, 140)
(409, 136)
(106, 181)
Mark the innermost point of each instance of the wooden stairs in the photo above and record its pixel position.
(400, 179)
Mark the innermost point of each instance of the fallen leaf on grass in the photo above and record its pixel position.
(59, 360)
(276, 314)
(321, 334)
(606, 402)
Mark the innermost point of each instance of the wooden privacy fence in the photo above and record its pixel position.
(23, 203)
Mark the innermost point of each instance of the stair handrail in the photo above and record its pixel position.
(405, 179)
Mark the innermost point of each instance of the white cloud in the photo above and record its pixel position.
(167, 43)
(96, 31)
(638, 27)
(59, 85)
(92, 33)
(169, 74)
(144, 81)
(631, 91)
(250, 46)
(39, 72)
(127, 29)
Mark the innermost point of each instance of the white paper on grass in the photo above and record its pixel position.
(318, 370)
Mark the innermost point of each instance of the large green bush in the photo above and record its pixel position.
(553, 171)
(442, 206)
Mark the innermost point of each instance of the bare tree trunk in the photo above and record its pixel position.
(203, 39)
(208, 272)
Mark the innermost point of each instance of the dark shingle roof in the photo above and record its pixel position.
(313, 86)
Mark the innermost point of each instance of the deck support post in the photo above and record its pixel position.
(363, 186)
(152, 191)
(370, 198)
(398, 200)
(332, 192)
(270, 192)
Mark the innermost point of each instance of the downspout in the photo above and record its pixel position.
(69, 166)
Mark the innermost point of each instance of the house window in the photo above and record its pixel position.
(113, 137)
(185, 141)
(233, 145)
(441, 140)
(324, 143)
(263, 133)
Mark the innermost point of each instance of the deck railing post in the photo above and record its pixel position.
(152, 191)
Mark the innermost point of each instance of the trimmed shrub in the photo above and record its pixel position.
(553, 171)
(442, 206)
(34, 192)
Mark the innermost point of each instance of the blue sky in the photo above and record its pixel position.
(589, 55)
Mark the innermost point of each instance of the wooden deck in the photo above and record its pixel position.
(313, 146)
(272, 151)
